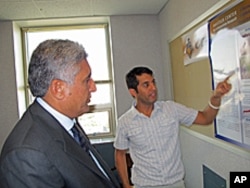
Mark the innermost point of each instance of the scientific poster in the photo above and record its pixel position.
(229, 36)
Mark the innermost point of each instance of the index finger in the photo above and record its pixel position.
(229, 76)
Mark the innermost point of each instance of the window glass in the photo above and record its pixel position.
(92, 39)
(103, 96)
(95, 123)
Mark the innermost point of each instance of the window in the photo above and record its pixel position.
(100, 121)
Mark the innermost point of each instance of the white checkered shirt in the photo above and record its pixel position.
(153, 142)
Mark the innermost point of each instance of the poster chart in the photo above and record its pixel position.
(229, 52)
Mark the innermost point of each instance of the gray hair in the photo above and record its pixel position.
(54, 59)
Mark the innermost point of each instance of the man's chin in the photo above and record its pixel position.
(84, 110)
(153, 100)
(87, 109)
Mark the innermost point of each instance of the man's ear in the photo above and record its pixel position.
(58, 88)
(132, 92)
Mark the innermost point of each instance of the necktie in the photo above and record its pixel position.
(83, 141)
(80, 138)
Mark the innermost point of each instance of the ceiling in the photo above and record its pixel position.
(44, 9)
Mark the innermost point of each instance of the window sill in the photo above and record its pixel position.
(101, 140)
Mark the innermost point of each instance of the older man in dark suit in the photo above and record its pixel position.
(41, 151)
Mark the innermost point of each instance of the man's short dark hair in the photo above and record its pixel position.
(131, 79)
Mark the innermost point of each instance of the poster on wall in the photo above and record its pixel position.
(195, 45)
(229, 50)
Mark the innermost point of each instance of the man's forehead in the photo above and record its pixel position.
(145, 77)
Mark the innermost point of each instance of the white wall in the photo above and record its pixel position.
(197, 149)
(136, 41)
(8, 99)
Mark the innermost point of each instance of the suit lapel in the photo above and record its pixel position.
(62, 137)
(75, 151)
(83, 157)
(103, 164)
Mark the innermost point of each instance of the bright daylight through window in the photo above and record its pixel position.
(100, 121)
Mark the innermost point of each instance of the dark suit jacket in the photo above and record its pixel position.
(40, 153)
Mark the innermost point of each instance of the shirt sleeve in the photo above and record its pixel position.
(121, 140)
(185, 115)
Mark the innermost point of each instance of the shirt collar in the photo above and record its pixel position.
(136, 113)
(65, 121)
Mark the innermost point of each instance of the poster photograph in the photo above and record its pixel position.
(195, 45)
(229, 36)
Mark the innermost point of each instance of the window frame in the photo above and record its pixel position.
(110, 107)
